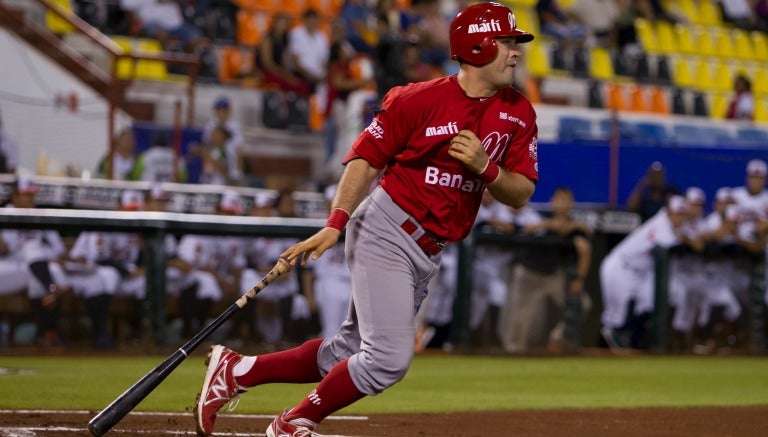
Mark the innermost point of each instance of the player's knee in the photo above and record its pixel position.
(377, 372)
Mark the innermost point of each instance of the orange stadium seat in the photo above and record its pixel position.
(248, 27)
(615, 99)
(230, 64)
(659, 100)
(638, 99)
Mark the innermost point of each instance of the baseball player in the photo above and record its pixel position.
(440, 144)
(627, 272)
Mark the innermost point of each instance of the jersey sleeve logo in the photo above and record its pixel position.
(375, 129)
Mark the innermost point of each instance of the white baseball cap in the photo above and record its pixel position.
(264, 199)
(677, 204)
(695, 195)
(757, 167)
(724, 194)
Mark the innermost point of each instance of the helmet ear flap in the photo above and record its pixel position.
(484, 52)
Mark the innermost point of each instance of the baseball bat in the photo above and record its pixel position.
(114, 412)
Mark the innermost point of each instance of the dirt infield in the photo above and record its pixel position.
(677, 422)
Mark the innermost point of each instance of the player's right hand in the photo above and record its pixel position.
(313, 246)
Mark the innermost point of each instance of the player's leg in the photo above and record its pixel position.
(617, 283)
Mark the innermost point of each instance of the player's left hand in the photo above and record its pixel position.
(313, 246)
(467, 148)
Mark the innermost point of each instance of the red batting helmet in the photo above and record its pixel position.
(474, 30)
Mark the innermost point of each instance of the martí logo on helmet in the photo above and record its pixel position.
(489, 26)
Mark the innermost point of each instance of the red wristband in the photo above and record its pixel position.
(490, 173)
(338, 219)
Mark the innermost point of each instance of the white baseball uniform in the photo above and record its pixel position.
(627, 272)
(332, 288)
(86, 276)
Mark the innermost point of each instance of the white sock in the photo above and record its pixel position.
(244, 366)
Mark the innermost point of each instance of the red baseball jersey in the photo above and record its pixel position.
(410, 136)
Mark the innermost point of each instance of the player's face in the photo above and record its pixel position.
(500, 73)
(755, 183)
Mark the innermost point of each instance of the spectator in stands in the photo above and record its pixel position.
(742, 104)
(742, 14)
(164, 21)
(308, 49)
(601, 16)
(414, 70)
(540, 275)
(222, 117)
(215, 156)
(359, 23)
(343, 81)
(119, 164)
(651, 192)
(555, 22)
(159, 163)
(433, 32)
(271, 57)
(8, 151)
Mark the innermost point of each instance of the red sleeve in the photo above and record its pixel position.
(386, 136)
(523, 157)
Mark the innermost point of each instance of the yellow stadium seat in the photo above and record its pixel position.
(536, 60)
(146, 69)
(124, 68)
(704, 42)
(600, 65)
(742, 44)
(518, 3)
(647, 35)
(761, 110)
(683, 76)
(685, 42)
(723, 77)
(666, 40)
(759, 45)
(703, 76)
(689, 9)
(56, 24)
(718, 105)
(723, 45)
(709, 13)
(760, 82)
(527, 20)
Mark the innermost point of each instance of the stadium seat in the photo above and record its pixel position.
(230, 64)
(249, 27)
(527, 20)
(146, 69)
(704, 42)
(124, 68)
(56, 24)
(709, 13)
(761, 110)
(752, 136)
(759, 45)
(575, 128)
(760, 81)
(666, 40)
(742, 44)
(638, 99)
(683, 77)
(600, 65)
(718, 105)
(724, 45)
(723, 80)
(651, 133)
(703, 75)
(647, 35)
(614, 97)
(689, 9)
(659, 100)
(684, 35)
(537, 60)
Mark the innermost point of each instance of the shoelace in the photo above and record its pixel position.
(303, 432)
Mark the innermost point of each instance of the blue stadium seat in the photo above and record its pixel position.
(652, 133)
(627, 130)
(685, 134)
(752, 136)
(575, 128)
